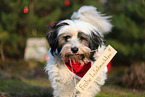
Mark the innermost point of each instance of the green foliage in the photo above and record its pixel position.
(17, 88)
(127, 36)
(16, 27)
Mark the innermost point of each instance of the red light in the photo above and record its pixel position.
(66, 2)
(26, 10)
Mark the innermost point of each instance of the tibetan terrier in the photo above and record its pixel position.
(74, 45)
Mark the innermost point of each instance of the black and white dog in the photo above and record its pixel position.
(74, 45)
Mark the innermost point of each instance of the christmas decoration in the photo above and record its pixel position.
(26, 10)
(66, 2)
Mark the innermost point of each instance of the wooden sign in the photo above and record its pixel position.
(96, 69)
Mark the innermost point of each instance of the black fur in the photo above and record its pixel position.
(52, 37)
(94, 43)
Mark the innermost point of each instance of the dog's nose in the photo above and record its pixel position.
(74, 49)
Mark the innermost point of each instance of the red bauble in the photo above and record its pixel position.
(26, 10)
(66, 2)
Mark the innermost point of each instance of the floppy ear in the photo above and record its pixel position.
(52, 39)
(96, 40)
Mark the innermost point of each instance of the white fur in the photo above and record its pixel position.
(90, 15)
(77, 25)
(63, 81)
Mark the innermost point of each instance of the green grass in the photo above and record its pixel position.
(28, 79)
(17, 88)
(102, 94)
(41, 88)
(114, 95)
(115, 91)
(24, 79)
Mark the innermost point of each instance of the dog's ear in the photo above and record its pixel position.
(95, 41)
(52, 38)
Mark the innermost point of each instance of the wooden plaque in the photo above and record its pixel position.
(96, 69)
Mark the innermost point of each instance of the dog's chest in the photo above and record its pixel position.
(66, 75)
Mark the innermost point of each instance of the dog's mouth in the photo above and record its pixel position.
(77, 64)
(80, 58)
(74, 57)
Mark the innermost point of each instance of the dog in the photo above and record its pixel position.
(74, 45)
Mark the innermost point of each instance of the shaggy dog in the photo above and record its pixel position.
(74, 45)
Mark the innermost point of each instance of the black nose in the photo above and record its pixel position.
(74, 49)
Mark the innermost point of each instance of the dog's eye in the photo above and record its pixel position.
(82, 38)
(66, 37)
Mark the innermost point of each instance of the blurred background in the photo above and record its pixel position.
(25, 20)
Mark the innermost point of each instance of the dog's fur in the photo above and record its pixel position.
(85, 32)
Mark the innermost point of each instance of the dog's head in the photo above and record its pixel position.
(78, 39)
(74, 40)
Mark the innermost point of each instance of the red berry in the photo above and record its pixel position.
(26, 10)
(66, 2)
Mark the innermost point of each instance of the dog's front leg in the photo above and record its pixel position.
(61, 81)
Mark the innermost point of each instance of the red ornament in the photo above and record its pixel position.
(67, 3)
(26, 10)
